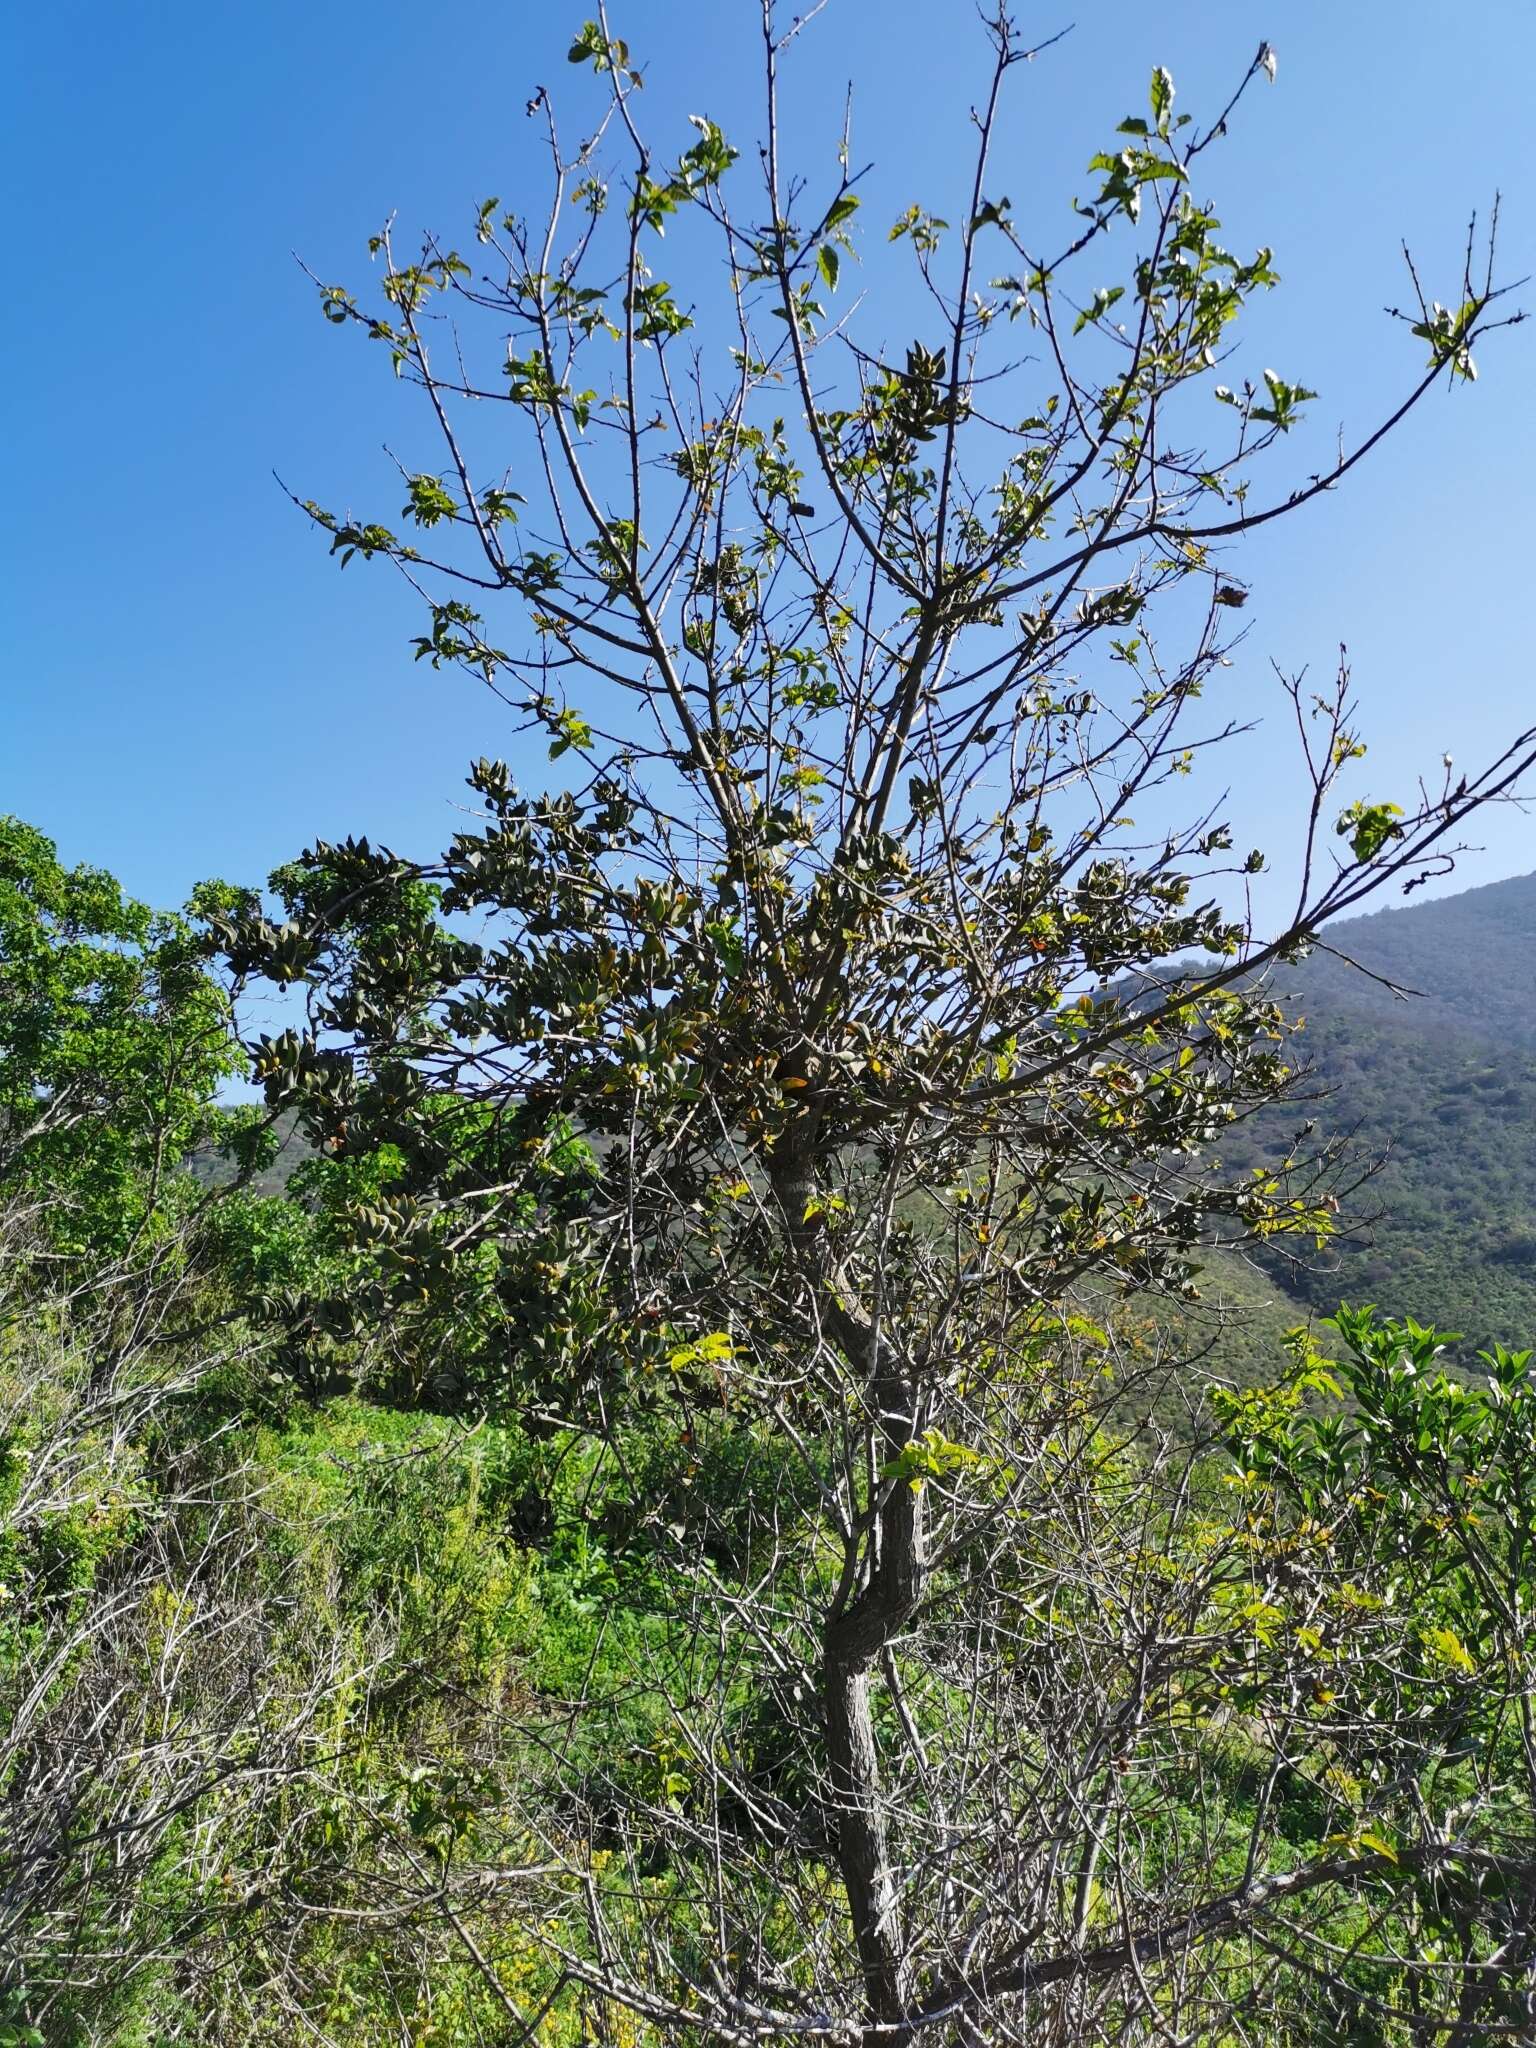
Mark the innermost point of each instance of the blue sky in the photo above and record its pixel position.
(191, 688)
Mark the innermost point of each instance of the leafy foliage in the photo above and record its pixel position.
(810, 1074)
(113, 1036)
(756, 1157)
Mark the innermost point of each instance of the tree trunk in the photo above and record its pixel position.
(863, 1852)
(858, 1633)
(855, 1638)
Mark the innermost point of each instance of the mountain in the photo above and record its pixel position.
(1438, 1087)
(1470, 959)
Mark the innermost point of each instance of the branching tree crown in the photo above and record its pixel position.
(847, 952)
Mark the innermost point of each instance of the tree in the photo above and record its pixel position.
(113, 1040)
(849, 955)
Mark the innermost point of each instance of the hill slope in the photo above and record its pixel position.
(1470, 958)
(1441, 1089)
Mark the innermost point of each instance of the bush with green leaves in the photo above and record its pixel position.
(114, 1038)
(1389, 1524)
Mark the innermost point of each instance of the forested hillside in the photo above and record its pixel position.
(1437, 1090)
(1469, 960)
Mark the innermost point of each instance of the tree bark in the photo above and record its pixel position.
(863, 1850)
(857, 1632)
(854, 1639)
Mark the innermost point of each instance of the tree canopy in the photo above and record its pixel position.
(113, 1037)
(765, 1132)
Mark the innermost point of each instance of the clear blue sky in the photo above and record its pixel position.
(190, 686)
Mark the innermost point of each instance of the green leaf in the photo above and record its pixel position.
(929, 1456)
(729, 951)
(924, 228)
(828, 263)
(715, 1349)
(1162, 98)
(1103, 299)
(572, 730)
(1369, 828)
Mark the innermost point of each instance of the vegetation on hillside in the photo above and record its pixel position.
(304, 1698)
(1438, 1099)
(664, 1527)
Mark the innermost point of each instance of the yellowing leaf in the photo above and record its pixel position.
(1444, 1646)
(714, 1349)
